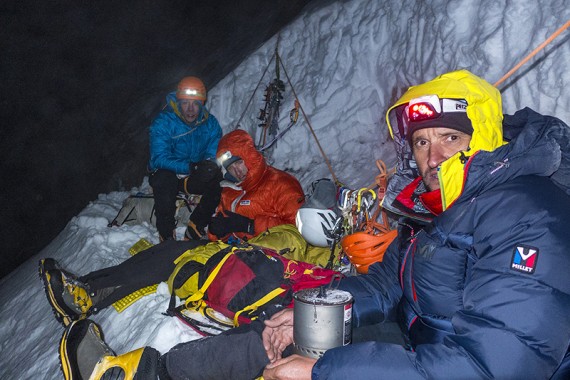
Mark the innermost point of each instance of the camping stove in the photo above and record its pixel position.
(322, 320)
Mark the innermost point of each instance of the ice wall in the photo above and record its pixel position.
(351, 59)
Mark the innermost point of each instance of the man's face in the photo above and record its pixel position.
(432, 146)
(190, 109)
(238, 170)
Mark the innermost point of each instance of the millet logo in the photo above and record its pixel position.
(524, 259)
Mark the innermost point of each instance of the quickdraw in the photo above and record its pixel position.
(366, 238)
(293, 117)
(269, 115)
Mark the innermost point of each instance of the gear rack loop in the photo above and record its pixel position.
(270, 113)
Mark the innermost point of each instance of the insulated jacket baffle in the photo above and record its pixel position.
(267, 195)
(174, 143)
(482, 290)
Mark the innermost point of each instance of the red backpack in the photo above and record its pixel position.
(241, 283)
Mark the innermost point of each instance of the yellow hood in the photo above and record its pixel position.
(484, 109)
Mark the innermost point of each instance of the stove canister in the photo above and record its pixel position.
(322, 320)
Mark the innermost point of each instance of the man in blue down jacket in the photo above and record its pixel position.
(183, 142)
(481, 288)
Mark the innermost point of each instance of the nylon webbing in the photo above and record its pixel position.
(260, 302)
(200, 293)
(309, 124)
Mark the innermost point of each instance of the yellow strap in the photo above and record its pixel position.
(139, 246)
(181, 257)
(200, 293)
(262, 301)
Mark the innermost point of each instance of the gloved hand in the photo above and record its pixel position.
(227, 222)
(205, 171)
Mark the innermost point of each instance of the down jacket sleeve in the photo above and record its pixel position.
(174, 145)
(376, 294)
(512, 325)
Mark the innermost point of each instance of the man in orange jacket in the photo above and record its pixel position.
(255, 195)
(255, 198)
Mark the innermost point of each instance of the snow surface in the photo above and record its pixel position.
(348, 61)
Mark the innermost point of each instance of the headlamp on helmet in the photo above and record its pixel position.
(431, 107)
(224, 161)
(430, 111)
(189, 91)
(191, 88)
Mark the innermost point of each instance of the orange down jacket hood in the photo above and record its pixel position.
(267, 195)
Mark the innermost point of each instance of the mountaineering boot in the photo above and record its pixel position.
(194, 232)
(68, 297)
(85, 355)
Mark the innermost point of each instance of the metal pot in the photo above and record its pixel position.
(322, 320)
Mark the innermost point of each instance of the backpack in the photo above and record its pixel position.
(240, 283)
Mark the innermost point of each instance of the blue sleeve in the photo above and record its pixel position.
(368, 360)
(512, 325)
(377, 293)
(161, 156)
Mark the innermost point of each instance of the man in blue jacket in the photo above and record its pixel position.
(183, 142)
(480, 287)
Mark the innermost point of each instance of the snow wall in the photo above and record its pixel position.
(350, 60)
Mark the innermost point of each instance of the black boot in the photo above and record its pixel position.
(68, 297)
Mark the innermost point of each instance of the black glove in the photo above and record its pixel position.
(205, 171)
(221, 224)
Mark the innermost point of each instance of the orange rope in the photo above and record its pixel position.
(533, 53)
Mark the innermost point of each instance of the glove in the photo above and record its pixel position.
(205, 171)
(221, 224)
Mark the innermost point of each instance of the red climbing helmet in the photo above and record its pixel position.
(364, 249)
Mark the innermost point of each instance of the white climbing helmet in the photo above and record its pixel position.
(317, 219)
(316, 225)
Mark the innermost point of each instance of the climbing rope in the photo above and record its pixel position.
(327, 161)
(533, 53)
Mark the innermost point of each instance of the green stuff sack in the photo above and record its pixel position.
(288, 241)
